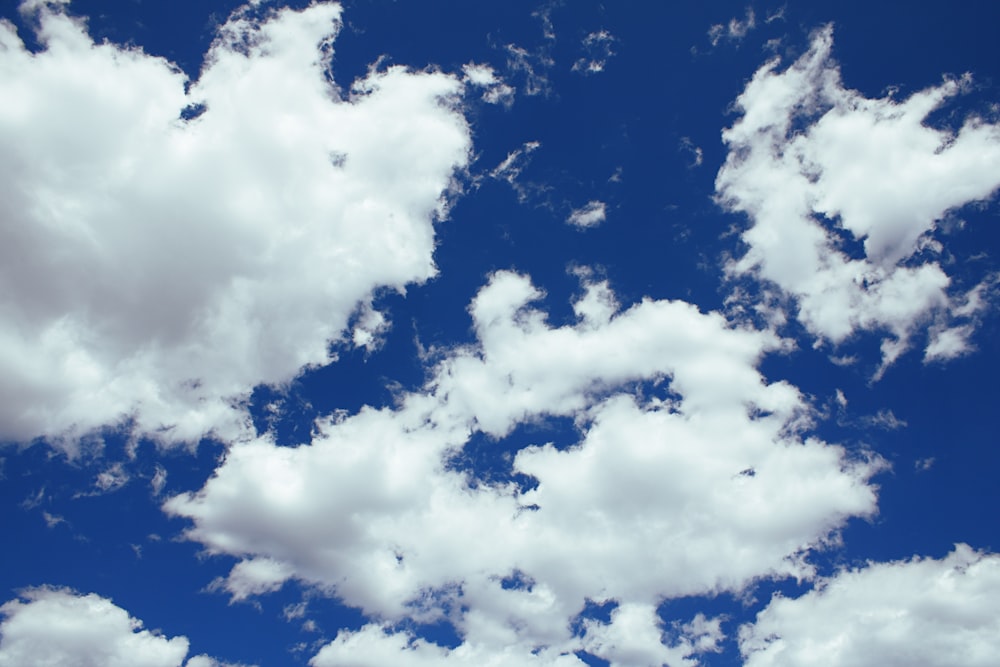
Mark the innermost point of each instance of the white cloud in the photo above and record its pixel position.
(254, 577)
(840, 398)
(158, 481)
(206, 661)
(723, 488)
(484, 76)
(884, 419)
(697, 155)
(370, 328)
(544, 14)
(948, 343)
(597, 47)
(112, 478)
(820, 169)
(735, 30)
(590, 214)
(919, 613)
(510, 169)
(375, 646)
(634, 637)
(157, 269)
(533, 66)
(59, 628)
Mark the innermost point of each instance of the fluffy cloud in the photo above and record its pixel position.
(59, 628)
(921, 613)
(634, 636)
(669, 404)
(374, 646)
(166, 244)
(844, 194)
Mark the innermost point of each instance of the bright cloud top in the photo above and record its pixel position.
(156, 269)
(843, 194)
(922, 613)
(59, 628)
(373, 512)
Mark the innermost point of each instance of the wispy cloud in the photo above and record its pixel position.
(733, 31)
(597, 50)
(590, 214)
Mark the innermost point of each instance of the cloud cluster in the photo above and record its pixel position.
(597, 47)
(495, 90)
(844, 193)
(60, 628)
(162, 251)
(669, 405)
(921, 612)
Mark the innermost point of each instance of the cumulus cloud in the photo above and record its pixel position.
(920, 613)
(375, 646)
(166, 244)
(844, 194)
(634, 636)
(375, 512)
(590, 214)
(370, 328)
(60, 628)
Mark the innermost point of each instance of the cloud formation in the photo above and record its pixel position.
(375, 510)
(921, 613)
(495, 90)
(844, 194)
(590, 214)
(162, 251)
(597, 48)
(60, 628)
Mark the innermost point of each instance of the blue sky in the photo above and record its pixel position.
(519, 334)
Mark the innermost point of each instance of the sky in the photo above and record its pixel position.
(511, 334)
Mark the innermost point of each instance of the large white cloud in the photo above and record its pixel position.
(919, 613)
(50, 627)
(156, 268)
(819, 168)
(722, 488)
